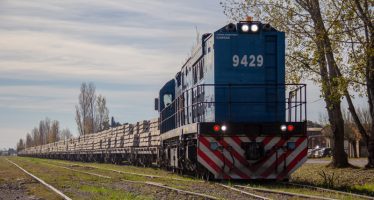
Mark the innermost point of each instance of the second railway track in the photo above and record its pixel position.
(189, 188)
(253, 192)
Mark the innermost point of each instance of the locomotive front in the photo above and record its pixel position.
(228, 113)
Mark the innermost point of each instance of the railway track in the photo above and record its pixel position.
(290, 194)
(195, 188)
(154, 184)
(41, 181)
(330, 190)
(132, 173)
(244, 190)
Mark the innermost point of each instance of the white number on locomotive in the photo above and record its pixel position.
(248, 61)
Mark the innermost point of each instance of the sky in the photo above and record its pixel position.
(128, 49)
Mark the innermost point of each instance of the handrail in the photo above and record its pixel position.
(192, 102)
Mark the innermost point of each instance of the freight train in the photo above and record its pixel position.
(227, 114)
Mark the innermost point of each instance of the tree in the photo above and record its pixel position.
(29, 141)
(35, 136)
(312, 51)
(65, 134)
(113, 123)
(92, 115)
(102, 114)
(351, 132)
(53, 135)
(20, 145)
(85, 110)
(44, 130)
(357, 18)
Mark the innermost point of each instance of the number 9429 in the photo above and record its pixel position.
(247, 61)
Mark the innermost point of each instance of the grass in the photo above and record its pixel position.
(79, 185)
(11, 175)
(83, 186)
(298, 190)
(351, 179)
(100, 192)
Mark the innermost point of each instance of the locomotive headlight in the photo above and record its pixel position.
(223, 127)
(254, 28)
(283, 128)
(245, 28)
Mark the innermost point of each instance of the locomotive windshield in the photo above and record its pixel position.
(168, 98)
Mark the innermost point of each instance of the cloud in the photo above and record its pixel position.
(128, 48)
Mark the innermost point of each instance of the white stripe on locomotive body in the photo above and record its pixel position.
(258, 171)
(219, 163)
(231, 158)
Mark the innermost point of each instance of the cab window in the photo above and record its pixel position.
(168, 99)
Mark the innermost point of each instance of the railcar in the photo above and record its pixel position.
(227, 114)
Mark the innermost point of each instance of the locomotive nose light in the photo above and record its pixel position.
(216, 128)
(290, 128)
(254, 27)
(245, 28)
(283, 128)
(223, 127)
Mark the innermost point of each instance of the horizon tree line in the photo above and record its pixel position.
(48, 131)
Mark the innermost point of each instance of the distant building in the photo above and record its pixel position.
(317, 140)
(9, 152)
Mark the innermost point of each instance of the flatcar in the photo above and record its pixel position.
(227, 114)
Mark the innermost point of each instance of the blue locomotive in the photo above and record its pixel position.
(228, 113)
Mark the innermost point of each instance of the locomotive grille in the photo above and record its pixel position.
(253, 150)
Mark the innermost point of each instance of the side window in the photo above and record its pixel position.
(178, 78)
(194, 70)
(168, 99)
(201, 69)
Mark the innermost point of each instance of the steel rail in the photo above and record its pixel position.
(89, 173)
(41, 181)
(147, 183)
(132, 173)
(181, 191)
(285, 193)
(330, 190)
(244, 192)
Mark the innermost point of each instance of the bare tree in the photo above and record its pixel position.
(20, 145)
(91, 113)
(102, 114)
(365, 118)
(351, 133)
(65, 134)
(358, 24)
(29, 141)
(53, 135)
(85, 110)
(35, 136)
(44, 130)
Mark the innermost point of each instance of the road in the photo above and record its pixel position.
(359, 162)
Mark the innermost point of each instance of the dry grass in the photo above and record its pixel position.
(350, 179)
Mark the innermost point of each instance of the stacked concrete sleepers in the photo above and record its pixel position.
(149, 137)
